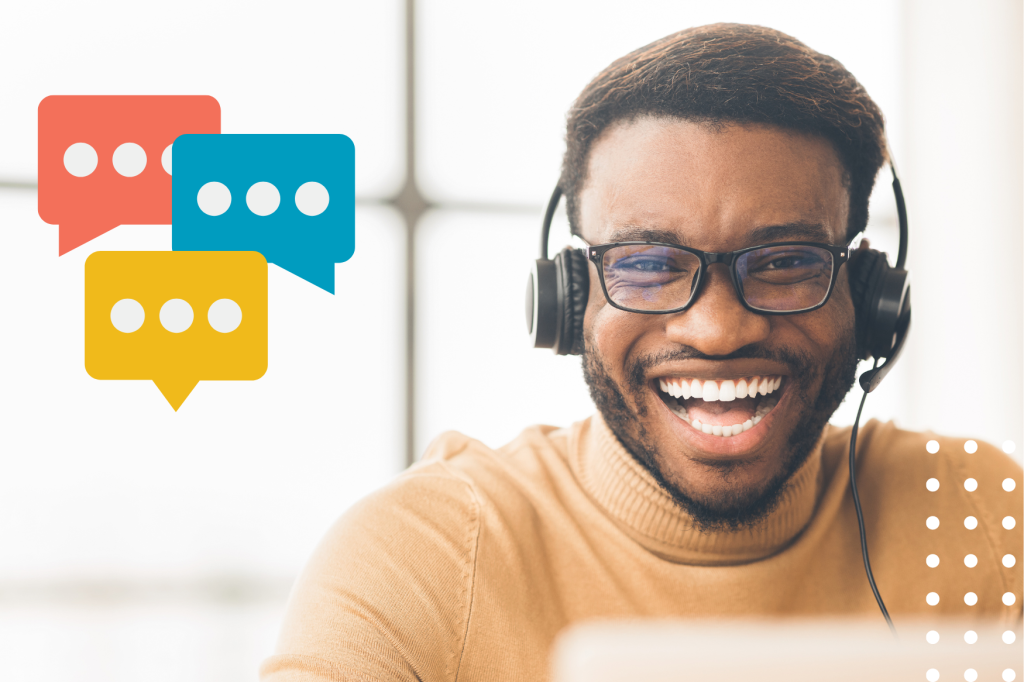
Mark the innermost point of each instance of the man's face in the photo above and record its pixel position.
(716, 189)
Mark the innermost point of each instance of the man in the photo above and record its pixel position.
(710, 483)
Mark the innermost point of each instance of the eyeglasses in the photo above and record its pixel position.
(772, 279)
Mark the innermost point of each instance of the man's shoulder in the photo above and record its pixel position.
(458, 474)
(918, 452)
(926, 473)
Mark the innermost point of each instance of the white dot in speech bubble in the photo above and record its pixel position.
(165, 158)
(176, 315)
(80, 159)
(312, 198)
(127, 315)
(129, 159)
(224, 315)
(263, 198)
(213, 198)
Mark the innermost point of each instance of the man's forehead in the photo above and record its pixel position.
(658, 179)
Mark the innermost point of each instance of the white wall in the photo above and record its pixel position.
(962, 158)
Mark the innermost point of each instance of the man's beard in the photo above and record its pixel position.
(730, 509)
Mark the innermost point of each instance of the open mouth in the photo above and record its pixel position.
(721, 407)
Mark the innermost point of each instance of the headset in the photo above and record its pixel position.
(556, 300)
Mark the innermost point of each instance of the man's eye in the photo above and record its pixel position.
(786, 262)
(789, 261)
(644, 265)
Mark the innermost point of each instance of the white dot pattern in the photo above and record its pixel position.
(932, 598)
(970, 447)
(932, 484)
(970, 523)
(932, 560)
(970, 599)
(932, 446)
(932, 522)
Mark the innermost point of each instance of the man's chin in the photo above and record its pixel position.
(719, 481)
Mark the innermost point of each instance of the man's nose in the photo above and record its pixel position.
(717, 323)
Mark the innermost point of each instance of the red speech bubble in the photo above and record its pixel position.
(104, 159)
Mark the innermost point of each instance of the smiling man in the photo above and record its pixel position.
(717, 177)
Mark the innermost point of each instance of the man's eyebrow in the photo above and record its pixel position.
(798, 230)
(635, 233)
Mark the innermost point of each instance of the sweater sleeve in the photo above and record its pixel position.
(387, 594)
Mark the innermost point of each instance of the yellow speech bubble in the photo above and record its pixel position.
(176, 318)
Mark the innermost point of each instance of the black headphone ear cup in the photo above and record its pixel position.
(573, 288)
(881, 299)
(579, 291)
(542, 314)
(865, 268)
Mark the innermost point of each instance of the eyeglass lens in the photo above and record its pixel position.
(653, 278)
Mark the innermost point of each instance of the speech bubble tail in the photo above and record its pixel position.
(176, 391)
(319, 274)
(72, 236)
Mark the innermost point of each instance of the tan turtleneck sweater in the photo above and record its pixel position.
(469, 563)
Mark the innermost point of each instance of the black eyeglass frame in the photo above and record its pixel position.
(595, 254)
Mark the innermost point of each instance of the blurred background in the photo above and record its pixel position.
(139, 543)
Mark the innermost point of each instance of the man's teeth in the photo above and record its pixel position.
(724, 390)
(763, 408)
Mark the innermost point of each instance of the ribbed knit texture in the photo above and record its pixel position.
(632, 497)
(468, 565)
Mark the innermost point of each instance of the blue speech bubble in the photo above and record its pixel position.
(289, 197)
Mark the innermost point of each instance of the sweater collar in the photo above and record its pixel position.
(635, 501)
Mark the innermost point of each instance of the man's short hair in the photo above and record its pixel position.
(738, 73)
